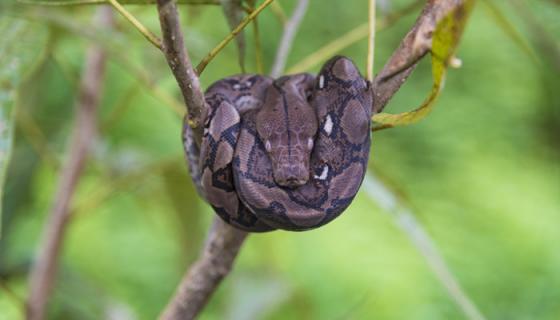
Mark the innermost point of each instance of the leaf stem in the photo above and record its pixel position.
(137, 24)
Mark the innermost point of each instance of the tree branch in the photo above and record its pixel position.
(215, 262)
(224, 241)
(180, 64)
(44, 270)
(290, 29)
(413, 47)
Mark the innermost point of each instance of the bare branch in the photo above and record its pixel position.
(180, 64)
(137, 24)
(413, 47)
(290, 29)
(204, 276)
(44, 270)
(224, 241)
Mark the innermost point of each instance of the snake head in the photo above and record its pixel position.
(287, 125)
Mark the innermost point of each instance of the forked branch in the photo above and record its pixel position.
(414, 46)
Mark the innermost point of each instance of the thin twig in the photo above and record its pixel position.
(36, 137)
(290, 29)
(258, 47)
(390, 203)
(202, 65)
(349, 38)
(278, 11)
(215, 262)
(137, 24)
(44, 270)
(371, 41)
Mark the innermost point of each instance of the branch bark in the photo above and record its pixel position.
(180, 63)
(414, 46)
(215, 262)
(223, 242)
(44, 270)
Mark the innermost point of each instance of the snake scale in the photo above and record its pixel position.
(287, 153)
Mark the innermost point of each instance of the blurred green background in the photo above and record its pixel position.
(481, 172)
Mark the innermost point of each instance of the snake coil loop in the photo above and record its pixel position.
(289, 153)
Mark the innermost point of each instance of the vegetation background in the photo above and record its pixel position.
(482, 174)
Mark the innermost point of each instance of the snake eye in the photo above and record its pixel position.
(309, 144)
(267, 146)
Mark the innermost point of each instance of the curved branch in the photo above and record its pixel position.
(180, 64)
(224, 241)
(44, 270)
(413, 47)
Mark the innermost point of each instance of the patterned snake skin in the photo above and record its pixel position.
(289, 153)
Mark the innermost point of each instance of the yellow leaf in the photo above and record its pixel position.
(445, 40)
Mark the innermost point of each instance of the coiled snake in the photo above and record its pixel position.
(289, 153)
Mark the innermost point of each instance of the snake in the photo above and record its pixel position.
(287, 153)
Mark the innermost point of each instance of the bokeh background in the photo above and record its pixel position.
(481, 174)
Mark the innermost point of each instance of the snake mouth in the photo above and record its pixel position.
(290, 176)
(292, 182)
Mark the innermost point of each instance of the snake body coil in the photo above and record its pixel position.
(289, 153)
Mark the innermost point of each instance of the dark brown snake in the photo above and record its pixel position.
(289, 153)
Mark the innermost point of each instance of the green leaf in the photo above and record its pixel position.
(21, 46)
(444, 44)
(234, 12)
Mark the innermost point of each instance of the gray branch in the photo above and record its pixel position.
(412, 49)
(180, 63)
(43, 272)
(224, 241)
(285, 46)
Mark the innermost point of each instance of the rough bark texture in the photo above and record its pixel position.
(215, 262)
(224, 241)
(178, 59)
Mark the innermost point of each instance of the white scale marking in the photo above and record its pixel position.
(328, 125)
(324, 173)
(321, 82)
(236, 86)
